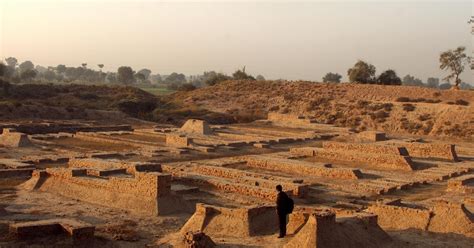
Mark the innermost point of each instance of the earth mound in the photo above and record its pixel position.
(400, 109)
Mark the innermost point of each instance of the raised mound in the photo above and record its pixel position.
(401, 109)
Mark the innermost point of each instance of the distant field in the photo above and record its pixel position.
(158, 91)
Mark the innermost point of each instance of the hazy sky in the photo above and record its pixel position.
(278, 39)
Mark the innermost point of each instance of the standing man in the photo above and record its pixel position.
(282, 210)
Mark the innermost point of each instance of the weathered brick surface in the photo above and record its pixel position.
(400, 217)
(388, 161)
(301, 167)
(196, 127)
(146, 193)
(258, 180)
(232, 222)
(113, 164)
(177, 140)
(371, 136)
(431, 150)
(374, 148)
(77, 230)
(11, 138)
(322, 230)
(463, 184)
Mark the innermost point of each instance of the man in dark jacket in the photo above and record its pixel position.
(282, 211)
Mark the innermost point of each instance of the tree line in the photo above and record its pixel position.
(27, 72)
(452, 61)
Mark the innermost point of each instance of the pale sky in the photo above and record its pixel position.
(278, 39)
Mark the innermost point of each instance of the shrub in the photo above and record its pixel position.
(136, 108)
(461, 102)
(424, 117)
(409, 107)
(403, 99)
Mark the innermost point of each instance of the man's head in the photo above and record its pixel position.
(279, 188)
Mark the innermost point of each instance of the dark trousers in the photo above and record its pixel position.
(282, 224)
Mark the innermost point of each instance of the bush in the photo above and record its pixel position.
(136, 108)
(424, 117)
(407, 99)
(409, 107)
(186, 87)
(461, 102)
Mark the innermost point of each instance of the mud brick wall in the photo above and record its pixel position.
(259, 180)
(374, 148)
(141, 193)
(177, 140)
(381, 161)
(451, 217)
(461, 184)
(371, 136)
(102, 164)
(197, 127)
(230, 186)
(302, 167)
(401, 218)
(429, 150)
(10, 138)
(238, 222)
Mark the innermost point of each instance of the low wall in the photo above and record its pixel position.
(229, 222)
(43, 128)
(260, 180)
(380, 161)
(443, 217)
(145, 193)
(77, 230)
(11, 138)
(401, 218)
(302, 167)
(430, 150)
(451, 217)
(177, 140)
(372, 136)
(374, 148)
(108, 164)
(463, 184)
(322, 231)
(196, 127)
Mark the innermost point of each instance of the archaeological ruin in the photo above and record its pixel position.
(203, 185)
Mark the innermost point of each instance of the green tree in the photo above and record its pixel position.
(175, 78)
(26, 66)
(140, 77)
(125, 75)
(433, 82)
(100, 66)
(61, 69)
(362, 72)
(410, 80)
(213, 78)
(145, 72)
(11, 62)
(389, 77)
(28, 75)
(3, 69)
(454, 62)
(242, 75)
(260, 78)
(332, 78)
